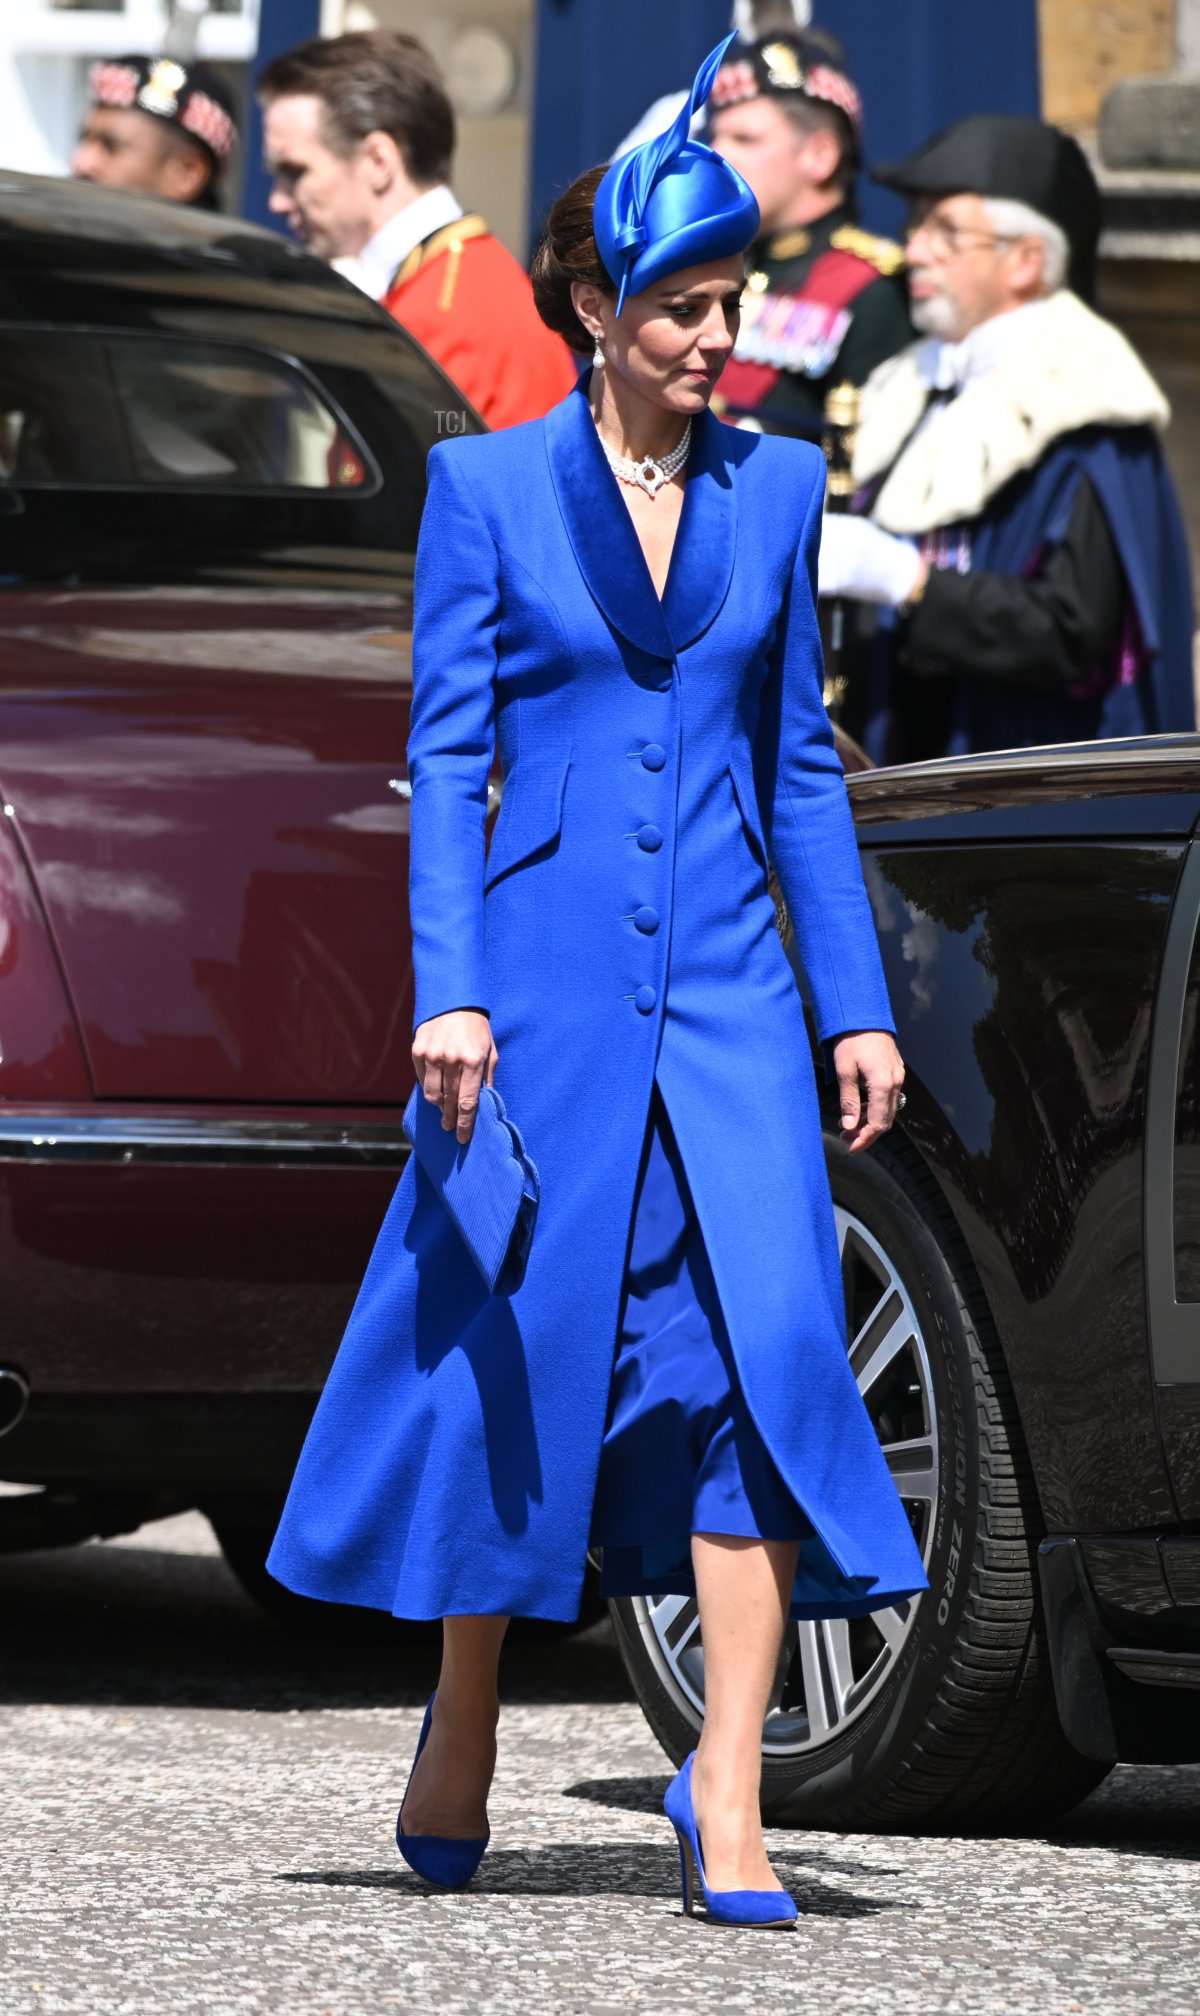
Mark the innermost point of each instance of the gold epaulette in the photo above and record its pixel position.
(451, 238)
(881, 253)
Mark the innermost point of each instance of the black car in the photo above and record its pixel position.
(1022, 1270)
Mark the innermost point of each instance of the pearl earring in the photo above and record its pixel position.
(597, 354)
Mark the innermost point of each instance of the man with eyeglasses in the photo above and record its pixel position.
(1015, 522)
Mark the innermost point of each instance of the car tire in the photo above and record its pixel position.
(244, 1538)
(949, 1721)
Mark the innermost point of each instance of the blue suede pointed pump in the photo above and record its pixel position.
(439, 1858)
(724, 1907)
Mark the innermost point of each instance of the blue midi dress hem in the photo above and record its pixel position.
(681, 1454)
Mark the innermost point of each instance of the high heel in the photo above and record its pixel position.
(439, 1858)
(724, 1907)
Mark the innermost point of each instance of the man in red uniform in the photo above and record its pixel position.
(359, 137)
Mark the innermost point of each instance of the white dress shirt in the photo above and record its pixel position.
(381, 257)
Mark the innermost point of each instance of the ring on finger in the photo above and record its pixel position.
(901, 1102)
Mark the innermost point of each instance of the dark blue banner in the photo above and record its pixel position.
(281, 24)
(919, 63)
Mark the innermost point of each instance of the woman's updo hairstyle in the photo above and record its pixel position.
(566, 251)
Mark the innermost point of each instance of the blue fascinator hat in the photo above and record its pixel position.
(672, 202)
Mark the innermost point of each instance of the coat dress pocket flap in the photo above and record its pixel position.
(747, 803)
(489, 1187)
(530, 816)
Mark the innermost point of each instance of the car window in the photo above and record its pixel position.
(98, 408)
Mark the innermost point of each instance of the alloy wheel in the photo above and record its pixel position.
(831, 1670)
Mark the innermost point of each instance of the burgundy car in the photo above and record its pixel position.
(212, 470)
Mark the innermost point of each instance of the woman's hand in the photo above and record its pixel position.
(867, 1059)
(455, 1055)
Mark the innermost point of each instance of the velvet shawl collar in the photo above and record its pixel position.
(608, 549)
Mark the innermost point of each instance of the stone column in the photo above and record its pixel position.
(1087, 45)
(1148, 163)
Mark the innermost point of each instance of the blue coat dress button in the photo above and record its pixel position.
(649, 839)
(644, 1000)
(645, 920)
(653, 756)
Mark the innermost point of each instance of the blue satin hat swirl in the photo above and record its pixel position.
(672, 202)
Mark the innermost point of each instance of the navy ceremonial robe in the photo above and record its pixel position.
(1147, 686)
(1053, 399)
(620, 933)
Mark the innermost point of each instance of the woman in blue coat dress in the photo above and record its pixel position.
(620, 597)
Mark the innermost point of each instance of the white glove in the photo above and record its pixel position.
(863, 562)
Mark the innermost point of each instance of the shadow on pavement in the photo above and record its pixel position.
(134, 1624)
(128, 1625)
(1142, 1809)
(601, 1869)
(627, 1795)
(1139, 1810)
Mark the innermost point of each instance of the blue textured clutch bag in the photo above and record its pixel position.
(490, 1187)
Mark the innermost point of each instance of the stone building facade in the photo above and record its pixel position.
(1087, 46)
(1124, 77)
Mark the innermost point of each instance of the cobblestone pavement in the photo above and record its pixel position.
(198, 1815)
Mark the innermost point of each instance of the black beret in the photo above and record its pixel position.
(190, 97)
(1001, 154)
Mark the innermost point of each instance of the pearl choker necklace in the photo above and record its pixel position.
(650, 474)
